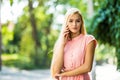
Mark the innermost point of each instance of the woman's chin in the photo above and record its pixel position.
(74, 32)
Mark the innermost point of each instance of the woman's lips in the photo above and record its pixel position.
(74, 28)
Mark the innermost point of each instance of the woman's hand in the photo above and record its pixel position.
(57, 76)
(61, 74)
(65, 35)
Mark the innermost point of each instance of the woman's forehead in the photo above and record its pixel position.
(74, 16)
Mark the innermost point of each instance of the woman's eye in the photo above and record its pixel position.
(70, 21)
(78, 20)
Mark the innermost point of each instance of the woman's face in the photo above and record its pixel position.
(74, 23)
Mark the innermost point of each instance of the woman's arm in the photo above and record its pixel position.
(58, 53)
(87, 66)
(57, 60)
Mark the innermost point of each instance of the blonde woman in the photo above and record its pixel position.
(74, 50)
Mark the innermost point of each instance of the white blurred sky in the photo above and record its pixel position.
(11, 13)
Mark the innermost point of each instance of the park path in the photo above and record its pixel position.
(15, 74)
(105, 72)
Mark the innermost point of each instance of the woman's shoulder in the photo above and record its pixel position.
(90, 38)
(89, 35)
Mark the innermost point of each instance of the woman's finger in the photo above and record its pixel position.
(57, 75)
(66, 31)
(65, 34)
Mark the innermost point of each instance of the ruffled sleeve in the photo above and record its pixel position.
(90, 38)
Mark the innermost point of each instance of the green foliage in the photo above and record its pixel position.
(21, 39)
(80, 4)
(16, 60)
(7, 33)
(27, 44)
(11, 2)
(104, 53)
(107, 22)
(98, 4)
(106, 27)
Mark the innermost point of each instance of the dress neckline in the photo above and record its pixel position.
(75, 38)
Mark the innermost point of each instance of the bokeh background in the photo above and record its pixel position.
(29, 29)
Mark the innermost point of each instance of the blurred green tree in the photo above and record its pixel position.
(105, 25)
(39, 23)
(32, 35)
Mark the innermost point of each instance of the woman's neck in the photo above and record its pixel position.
(73, 35)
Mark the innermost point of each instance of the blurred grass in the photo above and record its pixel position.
(16, 60)
(6, 57)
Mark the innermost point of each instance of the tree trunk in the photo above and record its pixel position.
(118, 57)
(90, 9)
(47, 42)
(34, 31)
(0, 48)
(44, 62)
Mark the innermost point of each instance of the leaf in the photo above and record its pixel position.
(11, 2)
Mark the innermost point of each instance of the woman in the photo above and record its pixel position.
(74, 50)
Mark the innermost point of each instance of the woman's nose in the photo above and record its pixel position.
(74, 23)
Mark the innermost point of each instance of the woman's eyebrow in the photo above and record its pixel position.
(78, 18)
(70, 19)
(75, 19)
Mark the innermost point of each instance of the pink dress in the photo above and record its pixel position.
(74, 53)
